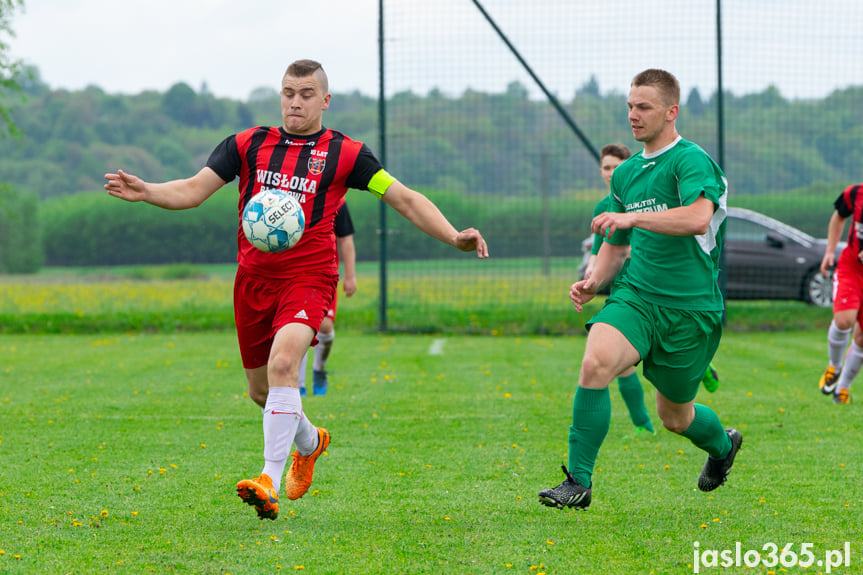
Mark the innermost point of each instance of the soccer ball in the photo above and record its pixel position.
(273, 221)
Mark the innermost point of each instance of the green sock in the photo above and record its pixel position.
(633, 397)
(706, 432)
(591, 416)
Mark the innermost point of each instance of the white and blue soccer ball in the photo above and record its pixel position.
(273, 221)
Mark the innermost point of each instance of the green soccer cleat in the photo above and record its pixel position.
(711, 379)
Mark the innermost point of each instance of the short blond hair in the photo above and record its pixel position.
(664, 82)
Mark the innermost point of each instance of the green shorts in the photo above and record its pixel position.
(676, 345)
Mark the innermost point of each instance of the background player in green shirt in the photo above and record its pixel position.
(611, 156)
(668, 204)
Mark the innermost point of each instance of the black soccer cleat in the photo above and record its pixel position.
(570, 493)
(715, 471)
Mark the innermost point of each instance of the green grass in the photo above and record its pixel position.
(492, 297)
(120, 454)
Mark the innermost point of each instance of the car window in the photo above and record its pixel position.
(745, 231)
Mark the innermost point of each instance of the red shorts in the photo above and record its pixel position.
(263, 306)
(331, 313)
(848, 290)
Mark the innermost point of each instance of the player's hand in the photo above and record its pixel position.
(349, 285)
(469, 240)
(606, 223)
(125, 186)
(828, 261)
(581, 292)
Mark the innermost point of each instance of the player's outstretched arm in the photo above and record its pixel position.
(348, 257)
(173, 195)
(427, 217)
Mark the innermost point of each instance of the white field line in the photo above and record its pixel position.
(436, 348)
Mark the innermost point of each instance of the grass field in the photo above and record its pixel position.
(120, 453)
(492, 297)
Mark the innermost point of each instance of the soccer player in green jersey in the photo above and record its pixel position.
(668, 205)
(611, 156)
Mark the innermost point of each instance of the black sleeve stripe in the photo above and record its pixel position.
(365, 168)
(344, 223)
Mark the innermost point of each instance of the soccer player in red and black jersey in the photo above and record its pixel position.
(847, 296)
(281, 298)
(344, 228)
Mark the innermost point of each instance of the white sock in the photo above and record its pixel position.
(322, 350)
(303, 363)
(306, 438)
(837, 342)
(282, 416)
(853, 363)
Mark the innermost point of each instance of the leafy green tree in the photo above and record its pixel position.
(180, 103)
(8, 68)
(20, 236)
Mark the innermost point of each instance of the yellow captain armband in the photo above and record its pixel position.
(380, 182)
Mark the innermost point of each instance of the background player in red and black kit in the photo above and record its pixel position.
(847, 296)
(281, 298)
(344, 229)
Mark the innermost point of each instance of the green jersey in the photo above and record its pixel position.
(601, 207)
(673, 271)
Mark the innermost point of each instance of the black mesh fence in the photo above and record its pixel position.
(496, 108)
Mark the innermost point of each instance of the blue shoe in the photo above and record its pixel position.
(320, 381)
(303, 391)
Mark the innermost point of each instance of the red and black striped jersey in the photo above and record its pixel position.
(850, 204)
(317, 169)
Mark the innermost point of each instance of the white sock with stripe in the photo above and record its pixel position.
(282, 416)
(837, 343)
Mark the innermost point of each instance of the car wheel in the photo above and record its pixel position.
(818, 289)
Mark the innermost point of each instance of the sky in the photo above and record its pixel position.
(806, 49)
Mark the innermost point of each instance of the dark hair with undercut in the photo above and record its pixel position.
(664, 82)
(306, 68)
(617, 150)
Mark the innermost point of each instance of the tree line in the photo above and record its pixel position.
(473, 143)
(502, 160)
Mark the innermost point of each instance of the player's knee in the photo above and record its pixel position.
(674, 425)
(595, 369)
(259, 396)
(281, 367)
